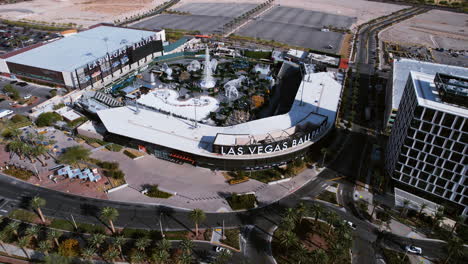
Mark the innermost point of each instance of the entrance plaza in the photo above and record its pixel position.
(196, 187)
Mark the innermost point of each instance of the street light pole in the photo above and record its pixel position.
(160, 225)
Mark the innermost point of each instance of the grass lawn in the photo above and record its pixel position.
(23, 215)
(154, 192)
(242, 201)
(19, 173)
(328, 197)
(232, 238)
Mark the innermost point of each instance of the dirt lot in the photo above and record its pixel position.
(89, 12)
(436, 28)
(82, 12)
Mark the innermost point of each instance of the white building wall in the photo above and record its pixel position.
(3, 66)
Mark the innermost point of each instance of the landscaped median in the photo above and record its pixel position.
(60, 239)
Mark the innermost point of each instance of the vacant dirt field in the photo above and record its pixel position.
(436, 28)
(82, 12)
(89, 12)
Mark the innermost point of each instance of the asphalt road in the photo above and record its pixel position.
(367, 38)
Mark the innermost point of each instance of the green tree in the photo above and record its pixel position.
(186, 245)
(36, 203)
(118, 241)
(48, 119)
(302, 254)
(223, 257)
(288, 239)
(74, 155)
(12, 228)
(197, 216)
(332, 219)
(438, 216)
(45, 246)
(291, 214)
(319, 256)
(454, 248)
(32, 231)
(137, 257)
(164, 244)
(96, 240)
(88, 253)
(160, 256)
(54, 235)
(141, 243)
(111, 254)
(109, 214)
(23, 243)
(421, 209)
(317, 211)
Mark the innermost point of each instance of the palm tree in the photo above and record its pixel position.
(109, 214)
(118, 241)
(317, 210)
(291, 214)
(185, 258)
(454, 248)
(302, 211)
(458, 220)
(421, 209)
(405, 207)
(197, 216)
(141, 243)
(288, 239)
(12, 227)
(111, 254)
(186, 245)
(160, 256)
(336, 251)
(54, 235)
(437, 217)
(88, 253)
(3, 237)
(32, 231)
(96, 240)
(324, 151)
(23, 243)
(332, 219)
(137, 257)
(164, 244)
(302, 254)
(44, 246)
(36, 203)
(37, 151)
(319, 256)
(287, 224)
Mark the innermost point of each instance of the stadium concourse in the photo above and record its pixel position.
(251, 145)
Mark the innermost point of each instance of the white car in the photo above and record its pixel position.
(351, 224)
(220, 249)
(413, 249)
(27, 97)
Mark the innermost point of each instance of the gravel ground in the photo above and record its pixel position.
(216, 9)
(436, 28)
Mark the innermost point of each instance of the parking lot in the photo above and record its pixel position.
(205, 17)
(298, 27)
(13, 37)
(40, 92)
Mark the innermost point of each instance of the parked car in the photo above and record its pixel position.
(26, 97)
(22, 84)
(220, 249)
(413, 249)
(351, 224)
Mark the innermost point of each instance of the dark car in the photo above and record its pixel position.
(13, 82)
(22, 84)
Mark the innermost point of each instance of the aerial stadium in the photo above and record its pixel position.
(212, 121)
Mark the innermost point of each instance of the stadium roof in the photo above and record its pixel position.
(72, 52)
(402, 68)
(321, 95)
